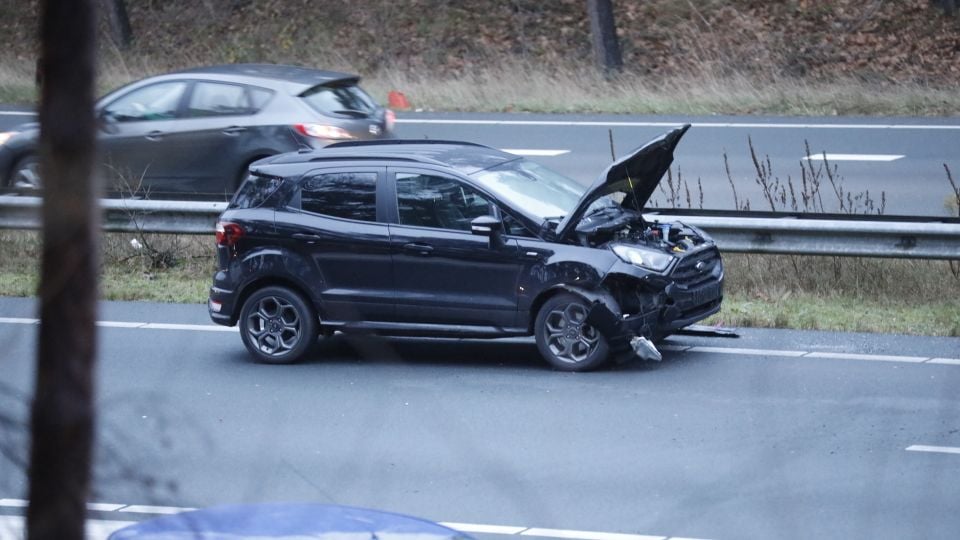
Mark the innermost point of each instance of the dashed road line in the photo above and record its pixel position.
(934, 449)
(17, 113)
(853, 157)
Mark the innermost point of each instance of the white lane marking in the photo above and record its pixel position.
(945, 361)
(104, 507)
(600, 123)
(478, 528)
(869, 357)
(120, 324)
(14, 503)
(750, 352)
(853, 157)
(533, 152)
(587, 535)
(17, 113)
(665, 347)
(197, 327)
(18, 320)
(137, 325)
(934, 449)
(148, 509)
(11, 528)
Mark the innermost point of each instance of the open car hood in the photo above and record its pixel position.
(636, 174)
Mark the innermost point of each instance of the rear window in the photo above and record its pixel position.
(255, 190)
(348, 100)
(348, 195)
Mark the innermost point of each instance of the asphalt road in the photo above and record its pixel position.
(896, 159)
(778, 434)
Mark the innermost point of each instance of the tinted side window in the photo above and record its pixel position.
(215, 99)
(439, 202)
(255, 190)
(154, 102)
(343, 195)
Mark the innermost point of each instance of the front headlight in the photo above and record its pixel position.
(5, 136)
(645, 258)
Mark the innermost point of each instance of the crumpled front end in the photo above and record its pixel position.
(652, 306)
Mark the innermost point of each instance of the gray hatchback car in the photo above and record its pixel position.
(194, 132)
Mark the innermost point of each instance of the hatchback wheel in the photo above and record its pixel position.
(277, 325)
(26, 174)
(564, 337)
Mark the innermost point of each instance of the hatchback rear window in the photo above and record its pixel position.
(255, 190)
(347, 100)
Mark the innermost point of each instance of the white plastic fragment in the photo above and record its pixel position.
(645, 349)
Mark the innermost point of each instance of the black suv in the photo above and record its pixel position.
(440, 238)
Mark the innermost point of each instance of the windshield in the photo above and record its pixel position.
(537, 190)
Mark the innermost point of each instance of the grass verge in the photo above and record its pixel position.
(770, 291)
(580, 89)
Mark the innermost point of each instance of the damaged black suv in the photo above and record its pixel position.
(453, 239)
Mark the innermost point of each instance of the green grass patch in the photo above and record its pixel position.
(841, 313)
(770, 291)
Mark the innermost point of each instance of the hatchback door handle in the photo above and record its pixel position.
(234, 130)
(154, 135)
(422, 249)
(308, 237)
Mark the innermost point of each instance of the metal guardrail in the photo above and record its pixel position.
(124, 215)
(894, 237)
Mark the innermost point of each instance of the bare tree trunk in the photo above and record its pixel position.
(120, 31)
(603, 34)
(62, 418)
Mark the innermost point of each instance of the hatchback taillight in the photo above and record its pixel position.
(391, 120)
(228, 233)
(323, 131)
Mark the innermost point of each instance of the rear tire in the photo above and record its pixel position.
(277, 325)
(564, 338)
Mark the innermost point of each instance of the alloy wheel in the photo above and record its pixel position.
(274, 326)
(570, 338)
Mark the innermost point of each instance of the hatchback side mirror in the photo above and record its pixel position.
(486, 226)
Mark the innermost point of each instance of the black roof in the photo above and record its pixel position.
(465, 157)
(294, 74)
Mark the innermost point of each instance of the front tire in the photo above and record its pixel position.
(277, 325)
(565, 339)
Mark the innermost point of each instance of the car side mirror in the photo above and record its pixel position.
(486, 226)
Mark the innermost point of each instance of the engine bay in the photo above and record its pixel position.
(631, 228)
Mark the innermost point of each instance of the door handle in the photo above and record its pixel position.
(308, 237)
(154, 135)
(420, 249)
(234, 130)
